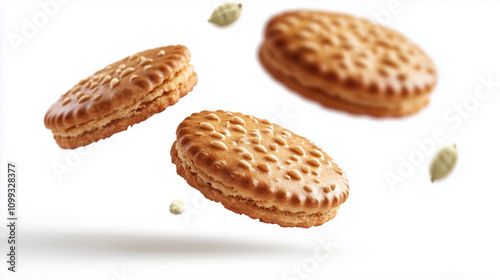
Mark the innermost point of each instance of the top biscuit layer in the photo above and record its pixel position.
(354, 54)
(262, 162)
(117, 86)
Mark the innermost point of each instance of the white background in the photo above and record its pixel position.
(107, 218)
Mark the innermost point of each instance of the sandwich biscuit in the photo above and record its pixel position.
(122, 94)
(260, 169)
(347, 63)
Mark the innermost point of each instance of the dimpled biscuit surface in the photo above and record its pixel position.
(120, 95)
(347, 63)
(259, 169)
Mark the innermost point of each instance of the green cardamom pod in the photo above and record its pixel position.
(226, 14)
(443, 162)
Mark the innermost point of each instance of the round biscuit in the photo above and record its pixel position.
(120, 95)
(259, 169)
(349, 59)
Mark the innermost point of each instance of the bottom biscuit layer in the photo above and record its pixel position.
(335, 102)
(148, 109)
(245, 206)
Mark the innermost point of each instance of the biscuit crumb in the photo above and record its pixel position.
(176, 207)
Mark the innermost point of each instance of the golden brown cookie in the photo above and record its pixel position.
(259, 169)
(122, 94)
(347, 63)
